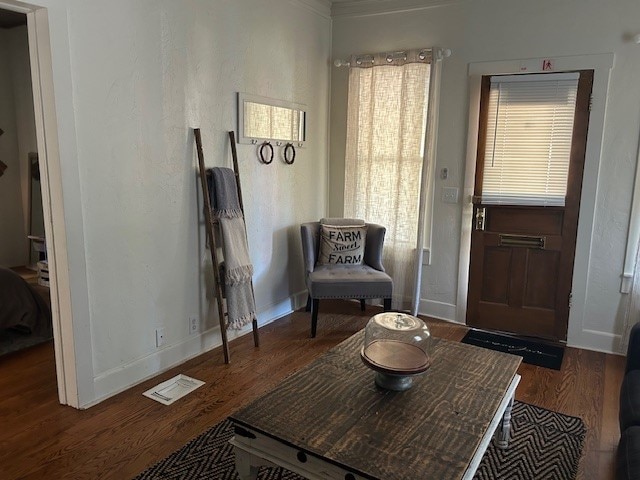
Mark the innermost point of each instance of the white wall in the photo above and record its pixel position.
(131, 80)
(13, 233)
(496, 30)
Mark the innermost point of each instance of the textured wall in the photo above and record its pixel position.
(503, 30)
(139, 88)
(139, 75)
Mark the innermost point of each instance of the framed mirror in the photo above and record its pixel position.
(264, 119)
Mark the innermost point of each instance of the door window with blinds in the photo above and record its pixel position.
(528, 139)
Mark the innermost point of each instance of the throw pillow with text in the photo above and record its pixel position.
(342, 245)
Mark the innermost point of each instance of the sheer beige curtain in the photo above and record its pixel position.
(387, 111)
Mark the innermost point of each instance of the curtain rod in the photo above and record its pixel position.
(440, 53)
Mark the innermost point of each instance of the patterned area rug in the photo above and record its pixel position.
(544, 445)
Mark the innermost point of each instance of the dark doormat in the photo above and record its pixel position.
(532, 352)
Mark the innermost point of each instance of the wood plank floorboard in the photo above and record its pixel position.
(127, 433)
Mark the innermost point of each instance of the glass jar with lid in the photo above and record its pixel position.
(397, 346)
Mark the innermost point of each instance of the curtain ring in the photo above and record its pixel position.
(293, 156)
(261, 153)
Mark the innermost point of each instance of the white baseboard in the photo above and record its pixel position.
(439, 310)
(126, 376)
(586, 339)
(597, 341)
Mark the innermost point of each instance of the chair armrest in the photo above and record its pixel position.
(633, 350)
(373, 246)
(309, 233)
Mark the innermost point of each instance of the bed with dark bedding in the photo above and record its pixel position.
(25, 318)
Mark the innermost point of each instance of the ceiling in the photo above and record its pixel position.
(11, 19)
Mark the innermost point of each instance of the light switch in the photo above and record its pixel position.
(449, 195)
(426, 256)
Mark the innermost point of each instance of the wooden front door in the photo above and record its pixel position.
(522, 254)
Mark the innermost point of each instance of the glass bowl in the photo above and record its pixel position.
(397, 346)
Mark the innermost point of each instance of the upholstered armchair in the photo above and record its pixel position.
(361, 281)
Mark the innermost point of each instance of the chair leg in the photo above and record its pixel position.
(387, 304)
(314, 316)
(362, 305)
(308, 307)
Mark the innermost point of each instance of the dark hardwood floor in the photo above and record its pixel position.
(123, 435)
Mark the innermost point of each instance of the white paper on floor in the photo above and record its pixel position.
(173, 389)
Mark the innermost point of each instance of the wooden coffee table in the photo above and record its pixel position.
(330, 421)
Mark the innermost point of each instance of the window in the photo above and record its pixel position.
(528, 140)
(385, 146)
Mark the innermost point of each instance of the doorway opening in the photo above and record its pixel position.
(25, 306)
(579, 334)
(53, 248)
(530, 159)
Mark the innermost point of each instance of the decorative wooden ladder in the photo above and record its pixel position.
(213, 245)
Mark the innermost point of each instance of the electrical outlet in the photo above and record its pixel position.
(159, 337)
(194, 325)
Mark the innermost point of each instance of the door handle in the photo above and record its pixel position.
(522, 241)
(481, 213)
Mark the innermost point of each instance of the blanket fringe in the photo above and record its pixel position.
(238, 323)
(228, 213)
(237, 275)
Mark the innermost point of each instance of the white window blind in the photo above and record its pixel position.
(528, 143)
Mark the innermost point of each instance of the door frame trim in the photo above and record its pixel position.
(69, 377)
(601, 65)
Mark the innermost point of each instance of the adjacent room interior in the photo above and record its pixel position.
(25, 317)
(142, 143)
